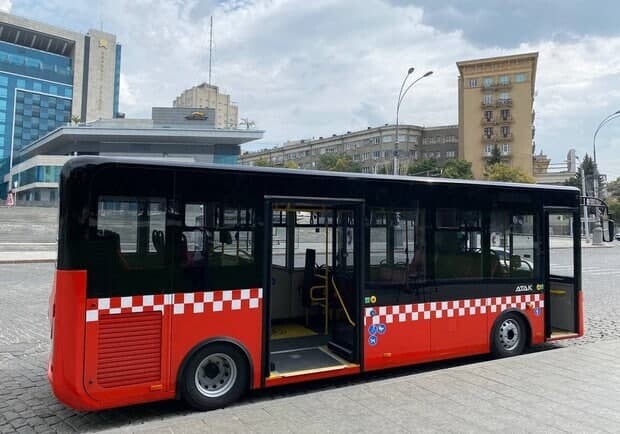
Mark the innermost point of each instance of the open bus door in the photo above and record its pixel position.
(313, 288)
(563, 297)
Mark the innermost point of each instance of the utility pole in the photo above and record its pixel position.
(210, 47)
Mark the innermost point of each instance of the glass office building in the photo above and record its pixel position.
(36, 90)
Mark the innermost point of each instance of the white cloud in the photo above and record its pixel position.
(6, 5)
(313, 68)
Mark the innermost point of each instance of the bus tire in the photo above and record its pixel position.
(509, 335)
(216, 376)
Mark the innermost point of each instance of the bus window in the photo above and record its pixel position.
(278, 238)
(313, 228)
(512, 245)
(126, 249)
(397, 247)
(458, 244)
(217, 248)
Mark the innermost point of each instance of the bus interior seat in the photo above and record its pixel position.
(225, 237)
(105, 259)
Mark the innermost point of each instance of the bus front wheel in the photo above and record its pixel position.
(215, 376)
(509, 336)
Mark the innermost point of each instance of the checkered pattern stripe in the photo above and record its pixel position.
(450, 309)
(177, 304)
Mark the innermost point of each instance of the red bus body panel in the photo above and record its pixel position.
(116, 351)
(412, 333)
(124, 350)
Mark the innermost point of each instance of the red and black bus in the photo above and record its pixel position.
(203, 281)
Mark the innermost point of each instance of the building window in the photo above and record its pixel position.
(505, 149)
(504, 79)
(413, 139)
(520, 78)
(488, 99)
(473, 82)
(488, 149)
(386, 139)
(450, 154)
(488, 115)
(505, 131)
(376, 155)
(488, 132)
(373, 140)
(504, 96)
(488, 81)
(505, 115)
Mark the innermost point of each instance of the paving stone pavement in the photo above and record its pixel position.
(27, 404)
(575, 389)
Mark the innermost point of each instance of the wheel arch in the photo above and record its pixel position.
(520, 314)
(214, 340)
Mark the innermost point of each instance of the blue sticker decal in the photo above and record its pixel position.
(537, 311)
(372, 330)
(372, 340)
(372, 312)
(381, 328)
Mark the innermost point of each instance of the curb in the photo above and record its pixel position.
(26, 261)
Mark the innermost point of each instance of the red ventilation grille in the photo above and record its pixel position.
(129, 349)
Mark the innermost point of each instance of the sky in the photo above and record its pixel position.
(302, 69)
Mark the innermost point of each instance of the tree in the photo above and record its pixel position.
(262, 162)
(587, 167)
(291, 165)
(505, 173)
(614, 208)
(613, 189)
(75, 119)
(384, 169)
(428, 167)
(338, 163)
(496, 156)
(458, 169)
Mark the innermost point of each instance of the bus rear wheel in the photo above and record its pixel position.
(215, 376)
(509, 336)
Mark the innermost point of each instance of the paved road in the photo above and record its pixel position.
(26, 403)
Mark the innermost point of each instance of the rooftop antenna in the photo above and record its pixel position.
(210, 47)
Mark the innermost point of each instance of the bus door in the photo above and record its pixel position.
(312, 288)
(563, 315)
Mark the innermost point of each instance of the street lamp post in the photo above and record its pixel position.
(401, 96)
(609, 118)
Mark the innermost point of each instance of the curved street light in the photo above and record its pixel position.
(401, 96)
(609, 118)
(604, 122)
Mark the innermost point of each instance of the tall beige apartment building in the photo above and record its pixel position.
(208, 96)
(496, 97)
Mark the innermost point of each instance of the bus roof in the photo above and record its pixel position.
(90, 160)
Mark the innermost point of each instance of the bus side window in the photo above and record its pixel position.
(397, 246)
(511, 253)
(220, 251)
(126, 246)
(458, 244)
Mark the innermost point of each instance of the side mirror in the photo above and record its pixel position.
(515, 262)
